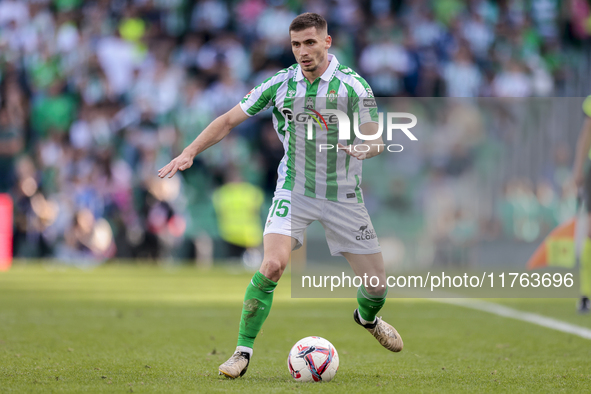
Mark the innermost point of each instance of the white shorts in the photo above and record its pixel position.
(347, 226)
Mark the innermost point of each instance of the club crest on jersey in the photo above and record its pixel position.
(332, 95)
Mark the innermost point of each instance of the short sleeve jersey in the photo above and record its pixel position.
(306, 168)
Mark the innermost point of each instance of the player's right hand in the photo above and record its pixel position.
(181, 162)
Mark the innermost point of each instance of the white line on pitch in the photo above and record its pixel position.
(534, 318)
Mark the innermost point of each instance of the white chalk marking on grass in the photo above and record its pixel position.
(529, 317)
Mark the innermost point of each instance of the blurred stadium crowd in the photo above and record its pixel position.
(97, 95)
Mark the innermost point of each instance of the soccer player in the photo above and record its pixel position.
(583, 182)
(312, 184)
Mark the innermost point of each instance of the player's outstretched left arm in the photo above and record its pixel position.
(376, 146)
(212, 134)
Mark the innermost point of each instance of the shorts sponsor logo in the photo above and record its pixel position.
(364, 233)
(350, 195)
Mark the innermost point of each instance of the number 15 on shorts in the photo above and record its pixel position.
(279, 208)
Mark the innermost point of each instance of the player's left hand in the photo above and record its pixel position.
(350, 150)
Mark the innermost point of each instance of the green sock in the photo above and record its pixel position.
(369, 305)
(256, 307)
(585, 267)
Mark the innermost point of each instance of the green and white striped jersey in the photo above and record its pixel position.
(305, 169)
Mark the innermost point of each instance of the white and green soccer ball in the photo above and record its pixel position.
(313, 359)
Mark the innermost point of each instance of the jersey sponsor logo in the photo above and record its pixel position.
(304, 117)
(287, 114)
(312, 116)
(310, 103)
(365, 233)
(370, 103)
(332, 95)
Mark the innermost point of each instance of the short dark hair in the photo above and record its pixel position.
(307, 20)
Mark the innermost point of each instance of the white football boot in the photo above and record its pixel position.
(383, 332)
(236, 365)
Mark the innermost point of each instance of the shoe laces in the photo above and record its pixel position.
(382, 328)
(235, 358)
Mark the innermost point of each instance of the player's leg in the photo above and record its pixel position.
(371, 297)
(284, 232)
(349, 233)
(259, 292)
(258, 299)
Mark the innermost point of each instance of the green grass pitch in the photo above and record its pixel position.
(142, 329)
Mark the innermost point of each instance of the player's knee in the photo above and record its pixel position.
(272, 268)
(375, 291)
(376, 286)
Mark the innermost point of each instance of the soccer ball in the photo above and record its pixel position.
(313, 359)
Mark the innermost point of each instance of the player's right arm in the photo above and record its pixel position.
(583, 146)
(257, 100)
(212, 134)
